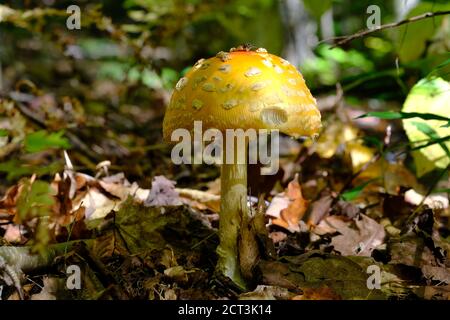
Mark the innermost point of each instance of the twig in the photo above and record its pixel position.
(40, 121)
(345, 39)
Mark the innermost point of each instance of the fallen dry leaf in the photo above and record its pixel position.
(359, 154)
(437, 292)
(277, 236)
(96, 204)
(48, 291)
(437, 273)
(335, 135)
(319, 209)
(289, 207)
(357, 237)
(13, 233)
(200, 199)
(8, 202)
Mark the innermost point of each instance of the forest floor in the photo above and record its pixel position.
(342, 221)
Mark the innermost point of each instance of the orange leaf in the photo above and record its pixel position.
(290, 216)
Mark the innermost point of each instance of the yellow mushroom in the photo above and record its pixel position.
(227, 87)
(241, 89)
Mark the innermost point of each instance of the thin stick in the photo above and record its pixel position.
(345, 39)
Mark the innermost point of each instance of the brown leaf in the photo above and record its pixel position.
(104, 246)
(410, 251)
(437, 273)
(8, 202)
(319, 209)
(437, 292)
(288, 208)
(48, 291)
(277, 236)
(357, 237)
(13, 234)
(200, 200)
(62, 207)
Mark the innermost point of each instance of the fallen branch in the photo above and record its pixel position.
(20, 99)
(360, 34)
(16, 260)
(22, 259)
(12, 274)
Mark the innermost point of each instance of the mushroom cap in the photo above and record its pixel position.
(243, 89)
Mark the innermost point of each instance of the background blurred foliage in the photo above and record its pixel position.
(101, 91)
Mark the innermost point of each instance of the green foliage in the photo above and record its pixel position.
(151, 79)
(43, 140)
(35, 200)
(393, 115)
(443, 64)
(317, 8)
(425, 119)
(152, 228)
(16, 168)
(432, 134)
(411, 38)
(102, 92)
(354, 193)
(332, 64)
(429, 96)
(98, 48)
(141, 226)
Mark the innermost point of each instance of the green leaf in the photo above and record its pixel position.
(429, 142)
(355, 192)
(169, 77)
(16, 168)
(3, 133)
(317, 8)
(393, 115)
(425, 128)
(411, 38)
(151, 79)
(374, 141)
(42, 140)
(431, 98)
(35, 200)
(443, 64)
(441, 191)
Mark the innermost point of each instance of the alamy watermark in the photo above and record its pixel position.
(74, 20)
(240, 147)
(374, 280)
(374, 19)
(73, 281)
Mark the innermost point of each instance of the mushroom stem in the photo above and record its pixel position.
(233, 211)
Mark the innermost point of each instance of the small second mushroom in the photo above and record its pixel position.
(241, 89)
